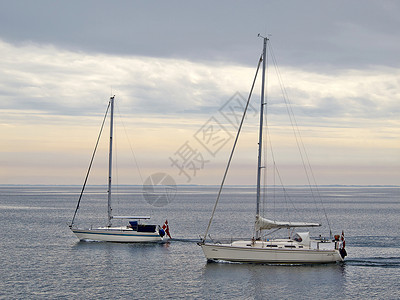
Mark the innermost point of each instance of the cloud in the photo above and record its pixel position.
(56, 81)
(369, 93)
(52, 99)
(337, 34)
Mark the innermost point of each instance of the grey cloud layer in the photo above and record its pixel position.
(317, 35)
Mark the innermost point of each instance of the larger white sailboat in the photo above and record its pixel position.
(298, 248)
(135, 231)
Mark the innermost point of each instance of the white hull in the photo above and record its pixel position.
(259, 253)
(116, 234)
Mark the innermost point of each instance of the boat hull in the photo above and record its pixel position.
(116, 235)
(250, 254)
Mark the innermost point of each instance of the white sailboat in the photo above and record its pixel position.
(135, 231)
(299, 248)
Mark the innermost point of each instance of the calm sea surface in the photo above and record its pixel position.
(42, 259)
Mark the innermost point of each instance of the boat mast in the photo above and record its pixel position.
(110, 161)
(259, 166)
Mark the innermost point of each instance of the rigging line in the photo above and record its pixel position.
(90, 165)
(264, 172)
(266, 136)
(276, 172)
(268, 140)
(233, 149)
(116, 164)
(265, 177)
(130, 145)
(297, 133)
(298, 136)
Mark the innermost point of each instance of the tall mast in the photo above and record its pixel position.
(110, 161)
(259, 166)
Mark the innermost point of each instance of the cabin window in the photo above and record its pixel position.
(272, 245)
(290, 246)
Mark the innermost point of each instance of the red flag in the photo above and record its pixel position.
(166, 228)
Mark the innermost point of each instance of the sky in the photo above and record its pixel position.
(177, 67)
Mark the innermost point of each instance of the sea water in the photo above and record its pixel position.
(42, 259)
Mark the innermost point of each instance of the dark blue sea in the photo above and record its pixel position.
(42, 259)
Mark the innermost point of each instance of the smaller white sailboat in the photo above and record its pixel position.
(135, 231)
(298, 248)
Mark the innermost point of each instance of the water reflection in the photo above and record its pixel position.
(278, 281)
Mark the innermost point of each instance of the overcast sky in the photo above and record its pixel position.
(173, 65)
